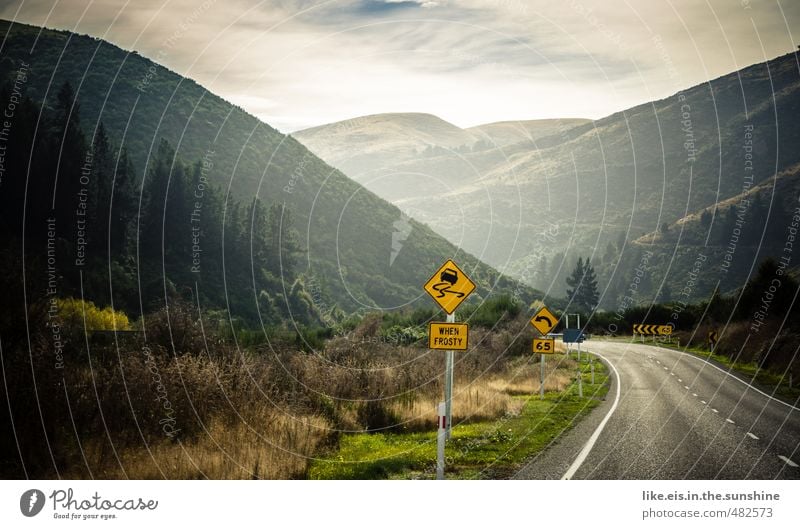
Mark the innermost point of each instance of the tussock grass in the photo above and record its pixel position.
(275, 447)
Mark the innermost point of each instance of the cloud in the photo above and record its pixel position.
(298, 63)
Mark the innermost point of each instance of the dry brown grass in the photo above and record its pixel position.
(278, 449)
(266, 412)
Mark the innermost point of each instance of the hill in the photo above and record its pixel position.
(589, 189)
(505, 133)
(356, 251)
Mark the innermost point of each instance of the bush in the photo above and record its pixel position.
(74, 312)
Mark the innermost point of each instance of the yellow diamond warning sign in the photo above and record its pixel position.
(544, 320)
(449, 336)
(449, 286)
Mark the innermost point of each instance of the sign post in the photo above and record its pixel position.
(579, 339)
(441, 435)
(713, 337)
(543, 321)
(543, 346)
(448, 384)
(449, 287)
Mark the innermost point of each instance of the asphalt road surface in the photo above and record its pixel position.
(671, 415)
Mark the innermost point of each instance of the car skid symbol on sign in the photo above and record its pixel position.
(449, 278)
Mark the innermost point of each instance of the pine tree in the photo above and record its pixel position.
(589, 290)
(574, 283)
(582, 283)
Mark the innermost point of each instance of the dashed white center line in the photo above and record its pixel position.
(679, 380)
(704, 402)
(672, 374)
(788, 461)
(714, 410)
(730, 421)
(694, 394)
(666, 368)
(752, 435)
(686, 387)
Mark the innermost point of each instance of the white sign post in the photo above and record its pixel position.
(580, 375)
(541, 379)
(448, 380)
(441, 435)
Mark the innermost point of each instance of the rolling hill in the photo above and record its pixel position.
(590, 189)
(359, 252)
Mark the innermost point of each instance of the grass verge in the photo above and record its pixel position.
(492, 449)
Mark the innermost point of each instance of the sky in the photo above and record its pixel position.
(301, 63)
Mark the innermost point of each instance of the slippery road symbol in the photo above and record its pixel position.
(448, 278)
(449, 286)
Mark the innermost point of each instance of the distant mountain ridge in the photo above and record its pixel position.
(595, 187)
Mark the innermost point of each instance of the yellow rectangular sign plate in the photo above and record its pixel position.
(545, 346)
(448, 336)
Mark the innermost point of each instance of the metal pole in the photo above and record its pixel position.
(441, 434)
(541, 379)
(580, 374)
(448, 381)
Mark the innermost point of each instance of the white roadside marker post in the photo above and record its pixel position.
(448, 381)
(441, 435)
(580, 372)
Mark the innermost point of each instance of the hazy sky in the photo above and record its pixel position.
(299, 63)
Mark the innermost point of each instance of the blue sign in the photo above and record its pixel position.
(573, 336)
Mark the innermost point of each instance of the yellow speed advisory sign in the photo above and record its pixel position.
(449, 336)
(544, 346)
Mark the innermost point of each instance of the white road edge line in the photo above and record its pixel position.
(593, 439)
(728, 373)
(752, 435)
(788, 461)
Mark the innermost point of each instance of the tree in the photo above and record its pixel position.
(705, 218)
(582, 286)
(589, 287)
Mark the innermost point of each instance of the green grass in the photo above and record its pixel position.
(767, 381)
(491, 449)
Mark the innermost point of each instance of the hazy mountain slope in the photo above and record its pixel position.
(366, 143)
(347, 231)
(592, 186)
(504, 133)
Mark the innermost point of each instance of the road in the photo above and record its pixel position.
(671, 415)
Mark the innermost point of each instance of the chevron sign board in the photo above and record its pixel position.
(641, 328)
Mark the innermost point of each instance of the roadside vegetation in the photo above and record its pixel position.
(177, 396)
(757, 328)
